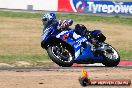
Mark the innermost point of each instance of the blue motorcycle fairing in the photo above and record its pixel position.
(80, 52)
(86, 54)
(47, 33)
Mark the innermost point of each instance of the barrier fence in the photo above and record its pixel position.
(80, 6)
(99, 7)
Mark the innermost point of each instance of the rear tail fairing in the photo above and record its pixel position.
(98, 36)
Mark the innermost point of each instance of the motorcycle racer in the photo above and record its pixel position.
(75, 46)
(50, 19)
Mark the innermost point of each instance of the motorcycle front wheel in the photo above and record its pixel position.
(60, 55)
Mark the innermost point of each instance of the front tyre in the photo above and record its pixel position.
(60, 55)
(112, 57)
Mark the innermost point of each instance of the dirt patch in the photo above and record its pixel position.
(20, 36)
(5, 65)
(59, 79)
(22, 63)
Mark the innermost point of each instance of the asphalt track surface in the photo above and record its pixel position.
(78, 68)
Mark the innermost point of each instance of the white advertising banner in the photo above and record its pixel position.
(50, 5)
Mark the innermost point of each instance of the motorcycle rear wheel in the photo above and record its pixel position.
(112, 57)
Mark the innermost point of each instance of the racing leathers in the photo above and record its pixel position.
(60, 25)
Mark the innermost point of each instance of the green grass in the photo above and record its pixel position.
(84, 18)
(19, 14)
(43, 60)
(31, 58)
(75, 17)
(125, 54)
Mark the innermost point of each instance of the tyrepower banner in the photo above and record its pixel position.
(91, 6)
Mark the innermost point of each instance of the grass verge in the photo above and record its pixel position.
(20, 60)
(44, 60)
(125, 54)
(75, 17)
(31, 58)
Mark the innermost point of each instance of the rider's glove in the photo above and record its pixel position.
(64, 24)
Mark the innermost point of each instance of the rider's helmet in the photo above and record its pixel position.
(48, 17)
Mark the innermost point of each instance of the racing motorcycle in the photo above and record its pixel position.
(66, 47)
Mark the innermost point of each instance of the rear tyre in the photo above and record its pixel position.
(111, 56)
(60, 55)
